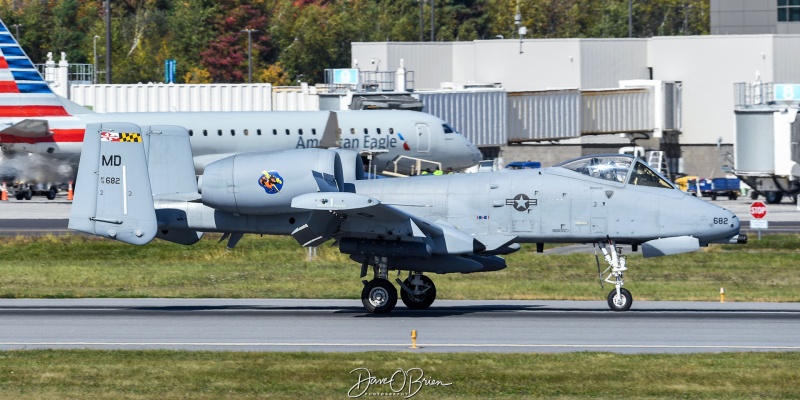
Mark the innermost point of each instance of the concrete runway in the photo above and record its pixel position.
(449, 326)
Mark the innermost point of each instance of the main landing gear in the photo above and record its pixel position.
(619, 299)
(379, 295)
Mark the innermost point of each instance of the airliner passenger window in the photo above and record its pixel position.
(246, 132)
(258, 132)
(300, 131)
(219, 132)
(352, 131)
(366, 131)
(233, 132)
(191, 133)
(379, 131)
(287, 132)
(205, 132)
(313, 131)
(274, 131)
(391, 131)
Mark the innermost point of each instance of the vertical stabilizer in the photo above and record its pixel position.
(113, 197)
(23, 91)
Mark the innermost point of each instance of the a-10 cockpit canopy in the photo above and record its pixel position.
(617, 168)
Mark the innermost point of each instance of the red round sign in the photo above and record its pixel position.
(758, 210)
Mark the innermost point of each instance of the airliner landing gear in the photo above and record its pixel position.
(379, 296)
(619, 299)
(418, 291)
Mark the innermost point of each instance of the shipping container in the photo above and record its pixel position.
(174, 97)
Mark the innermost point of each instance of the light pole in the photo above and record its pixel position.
(630, 18)
(249, 53)
(94, 47)
(16, 28)
(432, 19)
(421, 33)
(108, 41)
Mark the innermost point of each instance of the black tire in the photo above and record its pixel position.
(28, 194)
(379, 296)
(622, 305)
(753, 195)
(773, 197)
(713, 196)
(733, 196)
(19, 195)
(51, 194)
(422, 301)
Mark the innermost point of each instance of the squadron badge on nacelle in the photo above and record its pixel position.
(271, 181)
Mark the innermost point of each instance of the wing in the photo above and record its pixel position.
(358, 217)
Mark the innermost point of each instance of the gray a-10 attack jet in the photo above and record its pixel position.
(137, 183)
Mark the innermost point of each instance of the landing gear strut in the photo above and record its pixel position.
(619, 299)
(379, 296)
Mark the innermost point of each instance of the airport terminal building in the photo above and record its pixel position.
(689, 111)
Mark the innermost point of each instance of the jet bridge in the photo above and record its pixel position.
(766, 141)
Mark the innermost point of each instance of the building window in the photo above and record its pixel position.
(788, 10)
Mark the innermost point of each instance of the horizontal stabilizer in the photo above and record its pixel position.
(29, 128)
(670, 246)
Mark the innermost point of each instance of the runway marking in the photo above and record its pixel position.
(421, 345)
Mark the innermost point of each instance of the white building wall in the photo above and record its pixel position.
(464, 61)
(543, 63)
(605, 62)
(708, 66)
(435, 59)
(787, 62)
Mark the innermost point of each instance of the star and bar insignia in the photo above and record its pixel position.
(521, 202)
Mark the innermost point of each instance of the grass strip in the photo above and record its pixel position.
(160, 374)
(276, 267)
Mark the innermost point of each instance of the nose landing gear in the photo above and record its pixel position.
(619, 299)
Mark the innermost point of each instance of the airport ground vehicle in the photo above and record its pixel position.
(713, 188)
(26, 191)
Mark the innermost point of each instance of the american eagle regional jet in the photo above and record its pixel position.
(34, 119)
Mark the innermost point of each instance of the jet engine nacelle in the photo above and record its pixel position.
(265, 183)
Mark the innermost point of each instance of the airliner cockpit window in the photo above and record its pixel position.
(644, 176)
(448, 129)
(609, 167)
